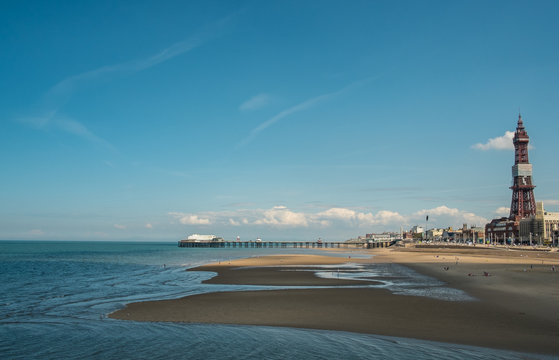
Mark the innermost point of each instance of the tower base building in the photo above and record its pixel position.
(502, 231)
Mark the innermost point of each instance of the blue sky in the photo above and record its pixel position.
(285, 120)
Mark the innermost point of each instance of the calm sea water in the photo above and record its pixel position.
(55, 297)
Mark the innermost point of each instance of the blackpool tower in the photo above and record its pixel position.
(523, 203)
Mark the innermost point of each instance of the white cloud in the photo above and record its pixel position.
(281, 216)
(473, 219)
(338, 213)
(190, 219)
(194, 220)
(36, 232)
(365, 219)
(502, 211)
(446, 216)
(234, 222)
(119, 226)
(389, 217)
(441, 210)
(149, 226)
(498, 143)
(550, 202)
(255, 102)
(355, 218)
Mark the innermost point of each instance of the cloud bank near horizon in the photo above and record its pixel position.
(281, 217)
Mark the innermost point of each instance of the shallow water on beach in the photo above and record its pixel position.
(55, 296)
(398, 279)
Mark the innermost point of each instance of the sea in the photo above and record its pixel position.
(55, 297)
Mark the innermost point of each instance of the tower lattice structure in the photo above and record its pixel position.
(523, 203)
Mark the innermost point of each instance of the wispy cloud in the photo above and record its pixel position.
(256, 102)
(119, 226)
(307, 104)
(498, 143)
(56, 97)
(67, 125)
(62, 91)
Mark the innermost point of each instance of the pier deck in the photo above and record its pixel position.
(282, 244)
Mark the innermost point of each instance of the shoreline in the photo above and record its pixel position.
(515, 310)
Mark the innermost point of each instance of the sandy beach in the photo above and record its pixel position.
(516, 308)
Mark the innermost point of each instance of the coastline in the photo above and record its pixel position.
(515, 310)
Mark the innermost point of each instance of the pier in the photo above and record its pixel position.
(283, 244)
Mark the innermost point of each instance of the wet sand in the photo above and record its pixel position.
(516, 310)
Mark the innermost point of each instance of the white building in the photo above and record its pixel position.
(417, 230)
(203, 238)
(379, 237)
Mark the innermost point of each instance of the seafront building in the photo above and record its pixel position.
(416, 229)
(473, 233)
(415, 233)
(523, 204)
(449, 234)
(380, 237)
(540, 228)
(434, 234)
(375, 238)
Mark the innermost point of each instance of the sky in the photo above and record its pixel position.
(285, 120)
